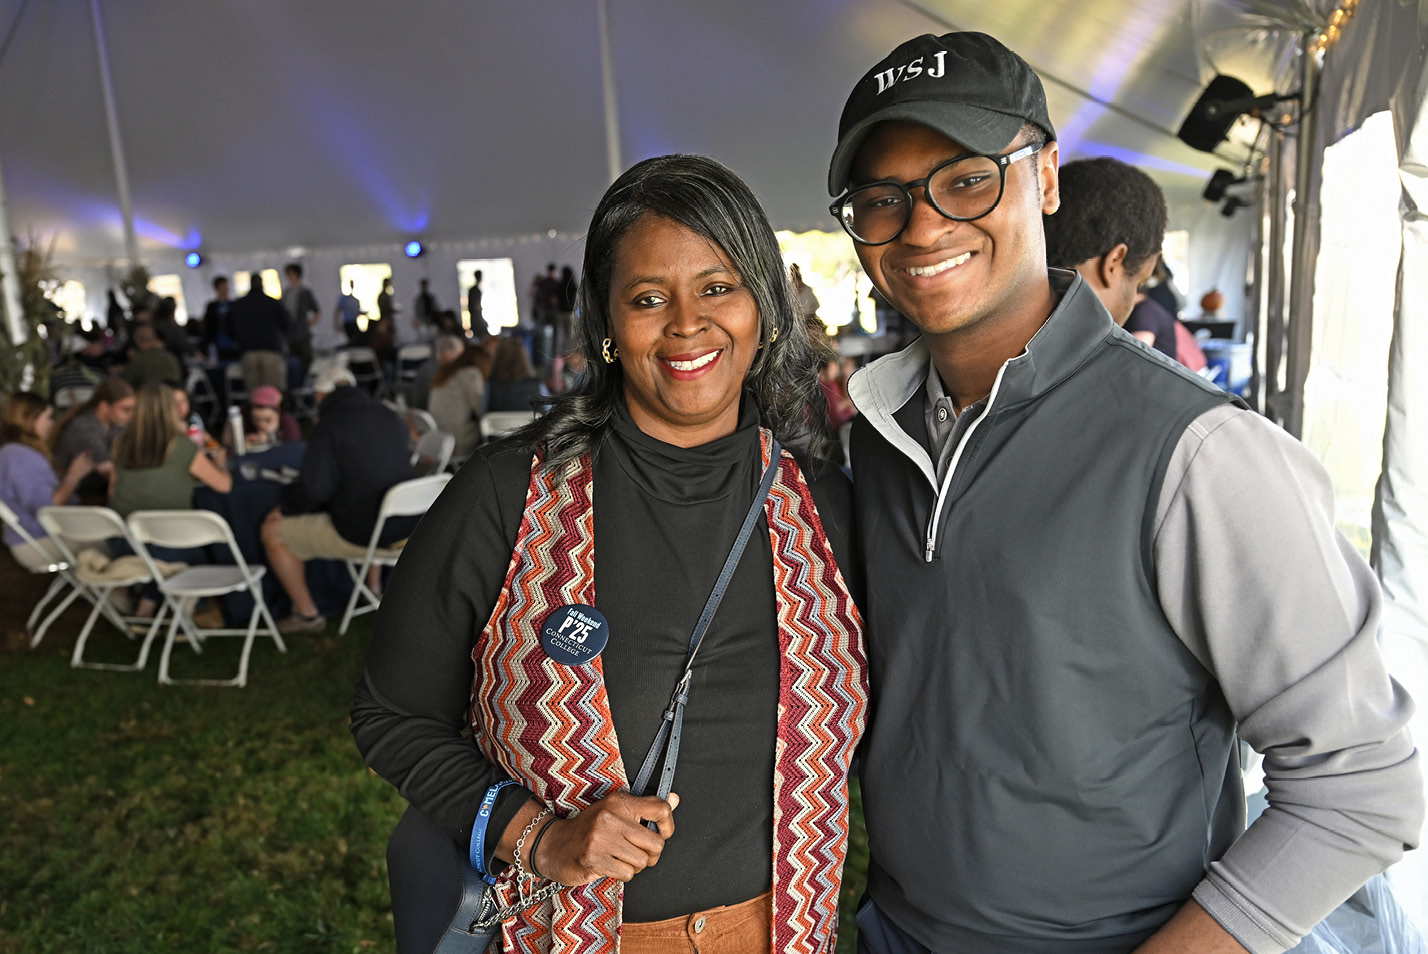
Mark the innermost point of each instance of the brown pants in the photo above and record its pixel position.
(734, 929)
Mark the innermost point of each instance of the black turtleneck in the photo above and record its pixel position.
(665, 518)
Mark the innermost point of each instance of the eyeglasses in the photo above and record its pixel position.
(961, 189)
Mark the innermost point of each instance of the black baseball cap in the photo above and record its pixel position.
(966, 86)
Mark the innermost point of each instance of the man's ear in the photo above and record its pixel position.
(1048, 163)
(1110, 265)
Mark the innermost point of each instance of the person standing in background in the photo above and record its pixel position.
(303, 313)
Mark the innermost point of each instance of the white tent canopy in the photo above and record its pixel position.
(263, 125)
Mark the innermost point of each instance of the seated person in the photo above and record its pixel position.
(190, 421)
(92, 428)
(512, 384)
(156, 467)
(458, 392)
(267, 424)
(74, 371)
(150, 360)
(357, 451)
(27, 476)
(155, 464)
(1151, 323)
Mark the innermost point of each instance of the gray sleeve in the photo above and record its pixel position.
(1266, 593)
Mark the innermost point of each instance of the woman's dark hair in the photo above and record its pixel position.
(710, 200)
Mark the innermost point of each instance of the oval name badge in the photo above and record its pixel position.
(575, 634)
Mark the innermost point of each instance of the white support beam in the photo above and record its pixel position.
(116, 141)
(612, 100)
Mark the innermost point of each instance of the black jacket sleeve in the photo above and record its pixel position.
(410, 711)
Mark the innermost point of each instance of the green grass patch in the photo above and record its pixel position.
(137, 818)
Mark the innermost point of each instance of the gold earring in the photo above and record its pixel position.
(607, 352)
(773, 336)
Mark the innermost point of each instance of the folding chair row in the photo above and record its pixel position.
(72, 527)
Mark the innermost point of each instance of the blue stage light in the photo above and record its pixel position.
(193, 259)
(413, 249)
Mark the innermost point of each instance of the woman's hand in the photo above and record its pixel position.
(606, 840)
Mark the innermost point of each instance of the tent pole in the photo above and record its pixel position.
(15, 326)
(1300, 329)
(612, 102)
(116, 142)
(1274, 280)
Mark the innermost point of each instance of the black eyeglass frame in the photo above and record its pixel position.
(1003, 161)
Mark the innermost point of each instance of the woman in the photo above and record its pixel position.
(512, 384)
(695, 362)
(155, 464)
(458, 392)
(91, 428)
(27, 476)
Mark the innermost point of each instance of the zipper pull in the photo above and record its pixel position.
(927, 551)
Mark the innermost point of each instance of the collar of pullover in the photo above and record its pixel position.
(700, 474)
(1075, 328)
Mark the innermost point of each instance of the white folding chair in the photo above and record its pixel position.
(76, 528)
(366, 368)
(235, 389)
(304, 396)
(495, 424)
(408, 498)
(52, 561)
(410, 358)
(433, 452)
(184, 529)
(201, 395)
(421, 421)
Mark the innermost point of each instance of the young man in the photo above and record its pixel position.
(303, 314)
(1109, 229)
(1088, 573)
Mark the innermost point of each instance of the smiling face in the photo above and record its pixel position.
(687, 329)
(948, 276)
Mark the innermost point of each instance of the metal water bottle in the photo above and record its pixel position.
(235, 429)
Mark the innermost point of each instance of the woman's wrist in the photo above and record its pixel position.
(535, 847)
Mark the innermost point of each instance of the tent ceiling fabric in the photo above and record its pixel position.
(266, 124)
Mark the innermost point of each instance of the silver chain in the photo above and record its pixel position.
(523, 901)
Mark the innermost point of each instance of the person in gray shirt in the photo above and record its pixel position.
(1089, 574)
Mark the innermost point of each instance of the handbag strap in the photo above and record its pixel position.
(673, 721)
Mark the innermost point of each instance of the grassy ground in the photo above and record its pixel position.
(139, 818)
